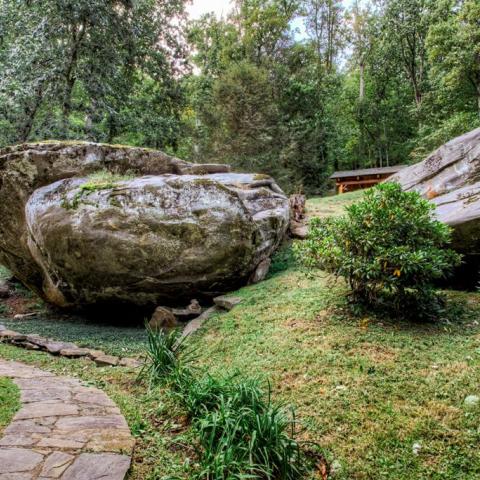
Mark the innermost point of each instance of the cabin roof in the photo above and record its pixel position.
(367, 171)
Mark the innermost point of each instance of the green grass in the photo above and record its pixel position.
(9, 402)
(366, 389)
(324, 207)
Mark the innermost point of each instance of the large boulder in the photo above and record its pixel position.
(149, 229)
(450, 178)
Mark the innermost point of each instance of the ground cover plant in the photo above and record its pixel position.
(241, 432)
(9, 401)
(367, 389)
(388, 247)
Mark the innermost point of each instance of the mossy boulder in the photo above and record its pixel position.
(87, 224)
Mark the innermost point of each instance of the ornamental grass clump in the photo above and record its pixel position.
(241, 433)
(163, 355)
(388, 247)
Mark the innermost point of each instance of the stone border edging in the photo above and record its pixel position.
(63, 430)
(70, 350)
(65, 349)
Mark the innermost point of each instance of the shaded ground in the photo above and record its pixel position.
(366, 389)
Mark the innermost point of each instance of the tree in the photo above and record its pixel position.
(454, 49)
(406, 28)
(324, 25)
(69, 67)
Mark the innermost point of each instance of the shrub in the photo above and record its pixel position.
(388, 247)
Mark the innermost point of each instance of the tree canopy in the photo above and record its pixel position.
(291, 88)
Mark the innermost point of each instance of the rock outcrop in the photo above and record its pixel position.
(450, 178)
(148, 229)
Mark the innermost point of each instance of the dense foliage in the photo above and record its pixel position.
(387, 247)
(293, 88)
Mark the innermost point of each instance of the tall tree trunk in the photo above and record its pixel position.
(70, 75)
(361, 94)
(31, 112)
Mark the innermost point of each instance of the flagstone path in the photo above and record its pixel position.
(63, 430)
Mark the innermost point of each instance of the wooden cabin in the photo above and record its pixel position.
(350, 180)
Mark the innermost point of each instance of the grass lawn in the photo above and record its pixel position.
(327, 206)
(9, 401)
(384, 399)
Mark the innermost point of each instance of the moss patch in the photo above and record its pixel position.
(102, 180)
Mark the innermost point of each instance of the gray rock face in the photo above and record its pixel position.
(153, 228)
(450, 178)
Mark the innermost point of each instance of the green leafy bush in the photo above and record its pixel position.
(388, 247)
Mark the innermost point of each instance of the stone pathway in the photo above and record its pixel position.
(64, 430)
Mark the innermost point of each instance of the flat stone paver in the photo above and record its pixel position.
(63, 430)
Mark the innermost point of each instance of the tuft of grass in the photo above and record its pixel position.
(9, 401)
(163, 355)
(244, 435)
(103, 180)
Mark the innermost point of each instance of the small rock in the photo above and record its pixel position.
(4, 290)
(74, 352)
(416, 447)
(41, 342)
(261, 271)
(56, 464)
(93, 354)
(15, 460)
(130, 363)
(11, 335)
(106, 361)
(108, 466)
(56, 347)
(192, 311)
(227, 302)
(471, 401)
(162, 318)
(298, 230)
(196, 323)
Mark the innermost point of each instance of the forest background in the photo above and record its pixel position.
(291, 88)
